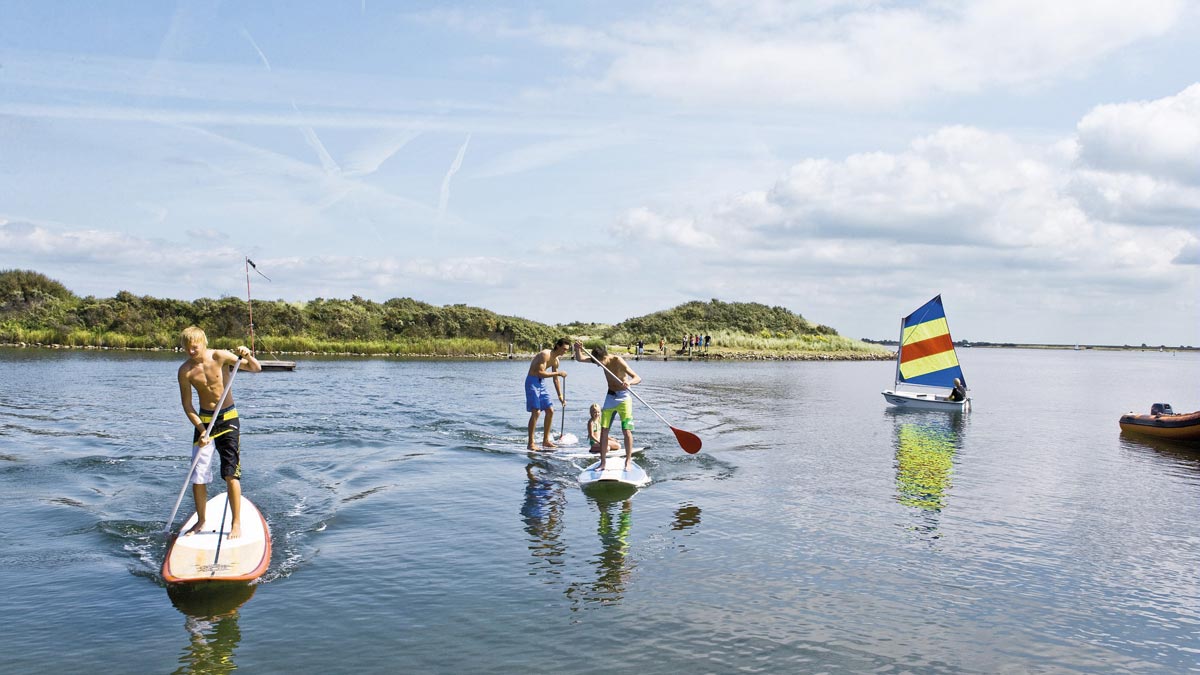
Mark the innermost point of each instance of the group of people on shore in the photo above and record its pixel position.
(618, 401)
(694, 343)
(690, 344)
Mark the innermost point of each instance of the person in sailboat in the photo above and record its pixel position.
(208, 372)
(537, 399)
(959, 393)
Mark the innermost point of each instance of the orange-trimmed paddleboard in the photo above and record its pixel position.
(209, 555)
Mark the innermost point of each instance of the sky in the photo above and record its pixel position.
(1036, 164)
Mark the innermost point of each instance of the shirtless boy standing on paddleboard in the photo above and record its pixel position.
(537, 399)
(205, 370)
(619, 401)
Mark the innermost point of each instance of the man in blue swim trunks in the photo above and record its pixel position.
(537, 399)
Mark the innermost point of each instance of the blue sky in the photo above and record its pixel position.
(1037, 164)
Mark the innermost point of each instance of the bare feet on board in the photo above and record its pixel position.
(195, 528)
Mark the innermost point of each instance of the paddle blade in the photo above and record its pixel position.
(688, 441)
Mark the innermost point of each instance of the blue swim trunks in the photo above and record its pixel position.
(536, 396)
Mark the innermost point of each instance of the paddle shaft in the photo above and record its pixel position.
(196, 459)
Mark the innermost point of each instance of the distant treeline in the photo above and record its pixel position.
(38, 310)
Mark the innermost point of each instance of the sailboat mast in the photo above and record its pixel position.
(249, 305)
(899, 351)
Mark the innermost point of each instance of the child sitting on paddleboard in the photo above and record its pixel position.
(208, 372)
(594, 431)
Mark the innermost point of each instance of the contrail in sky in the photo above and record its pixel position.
(310, 135)
(450, 174)
(254, 44)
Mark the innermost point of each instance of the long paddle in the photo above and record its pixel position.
(687, 440)
(564, 438)
(211, 424)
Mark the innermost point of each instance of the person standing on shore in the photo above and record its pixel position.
(620, 377)
(208, 371)
(537, 399)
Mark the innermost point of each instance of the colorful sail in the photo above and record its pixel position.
(926, 350)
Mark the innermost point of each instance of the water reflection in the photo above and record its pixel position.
(612, 565)
(211, 620)
(542, 513)
(686, 516)
(1184, 455)
(925, 447)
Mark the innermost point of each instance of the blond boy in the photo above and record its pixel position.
(207, 371)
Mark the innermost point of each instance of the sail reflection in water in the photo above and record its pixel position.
(925, 447)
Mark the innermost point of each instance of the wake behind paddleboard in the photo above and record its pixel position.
(614, 474)
(209, 555)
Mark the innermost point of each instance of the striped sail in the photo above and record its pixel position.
(926, 354)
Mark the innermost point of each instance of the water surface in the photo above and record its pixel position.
(818, 530)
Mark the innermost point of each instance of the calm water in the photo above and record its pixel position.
(818, 531)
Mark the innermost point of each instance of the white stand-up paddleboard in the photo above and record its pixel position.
(582, 453)
(209, 555)
(614, 473)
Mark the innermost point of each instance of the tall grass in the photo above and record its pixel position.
(423, 347)
(724, 341)
(728, 340)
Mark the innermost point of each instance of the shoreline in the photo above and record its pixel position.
(712, 355)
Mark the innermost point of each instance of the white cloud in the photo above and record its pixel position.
(957, 186)
(852, 53)
(1137, 199)
(46, 243)
(1159, 138)
(1189, 254)
(960, 204)
(125, 258)
(646, 224)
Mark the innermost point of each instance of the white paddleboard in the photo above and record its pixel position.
(582, 453)
(208, 555)
(614, 473)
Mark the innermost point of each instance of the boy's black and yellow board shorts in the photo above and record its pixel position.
(226, 437)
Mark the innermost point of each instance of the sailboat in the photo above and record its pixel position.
(267, 364)
(926, 363)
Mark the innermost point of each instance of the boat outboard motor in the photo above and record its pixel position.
(1161, 409)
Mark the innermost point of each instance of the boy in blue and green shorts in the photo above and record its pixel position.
(618, 401)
